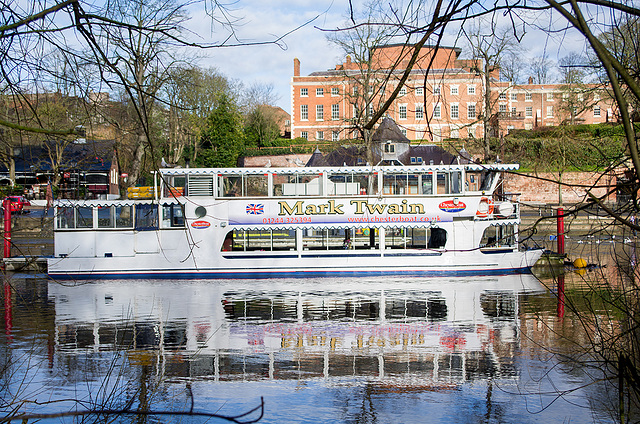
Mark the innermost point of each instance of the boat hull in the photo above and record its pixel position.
(280, 266)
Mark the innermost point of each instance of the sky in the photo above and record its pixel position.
(303, 21)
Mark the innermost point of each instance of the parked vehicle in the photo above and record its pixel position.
(18, 204)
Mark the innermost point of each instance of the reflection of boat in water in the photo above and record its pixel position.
(298, 222)
(400, 332)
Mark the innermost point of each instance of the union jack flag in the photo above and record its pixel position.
(255, 209)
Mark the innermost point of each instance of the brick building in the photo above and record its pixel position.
(447, 100)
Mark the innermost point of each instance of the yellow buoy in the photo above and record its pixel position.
(580, 263)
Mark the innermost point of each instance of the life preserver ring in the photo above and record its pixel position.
(485, 208)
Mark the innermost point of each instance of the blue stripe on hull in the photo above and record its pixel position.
(180, 275)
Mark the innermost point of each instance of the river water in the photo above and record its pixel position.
(369, 350)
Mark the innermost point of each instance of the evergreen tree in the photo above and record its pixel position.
(222, 140)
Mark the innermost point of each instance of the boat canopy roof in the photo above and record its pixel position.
(342, 169)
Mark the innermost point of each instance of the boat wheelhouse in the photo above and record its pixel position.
(268, 222)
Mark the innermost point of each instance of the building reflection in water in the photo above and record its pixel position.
(401, 335)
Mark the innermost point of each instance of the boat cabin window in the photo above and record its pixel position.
(65, 218)
(498, 236)
(297, 185)
(401, 184)
(84, 217)
(146, 217)
(449, 182)
(124, 216)
(339, 238)
(174, 185)
(486, 180)
(426, 181)
(259, 240)
(243, 185)
(172, 216)
(415, 238)
(106, 218)
(472, 181)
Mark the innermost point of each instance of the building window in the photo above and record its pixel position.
(471, 111)
(528, 111)
(471, 90)
(513, 111)
(304, 112)
(403, 131)
(319, 92)
(319, 135)
(419, 91)
(527, 97)
(596, 110)
(514, 97)
(549, 97)
(502, 96)
(549, 111)
(403, 91)
(355, 90)
(304, 135)
(436, 90)
(304, 92)
(319, 112)
(402, 112)
(502, 108)
(335, 135)
(370, 110)
(389, 148)
(419, 111)
(454, 90)
(436, 112)
(335, 112)
(455, 111)
(416, 159)
(335, 91)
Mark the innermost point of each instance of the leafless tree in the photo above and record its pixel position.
(492, 46)
(539, 68)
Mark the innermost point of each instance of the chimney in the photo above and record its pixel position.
(296, 67)
(530, 80)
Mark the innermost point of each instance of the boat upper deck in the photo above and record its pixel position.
(425, 180)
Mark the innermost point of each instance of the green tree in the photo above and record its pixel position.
(191, 94)
(261, 126)
(222, 139)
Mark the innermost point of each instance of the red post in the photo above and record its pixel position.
(8, 314)
(6, 204)
(560, 231)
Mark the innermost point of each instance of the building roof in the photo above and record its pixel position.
(389, 131)
(88, 155)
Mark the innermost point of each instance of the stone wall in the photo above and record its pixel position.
(543, 187)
